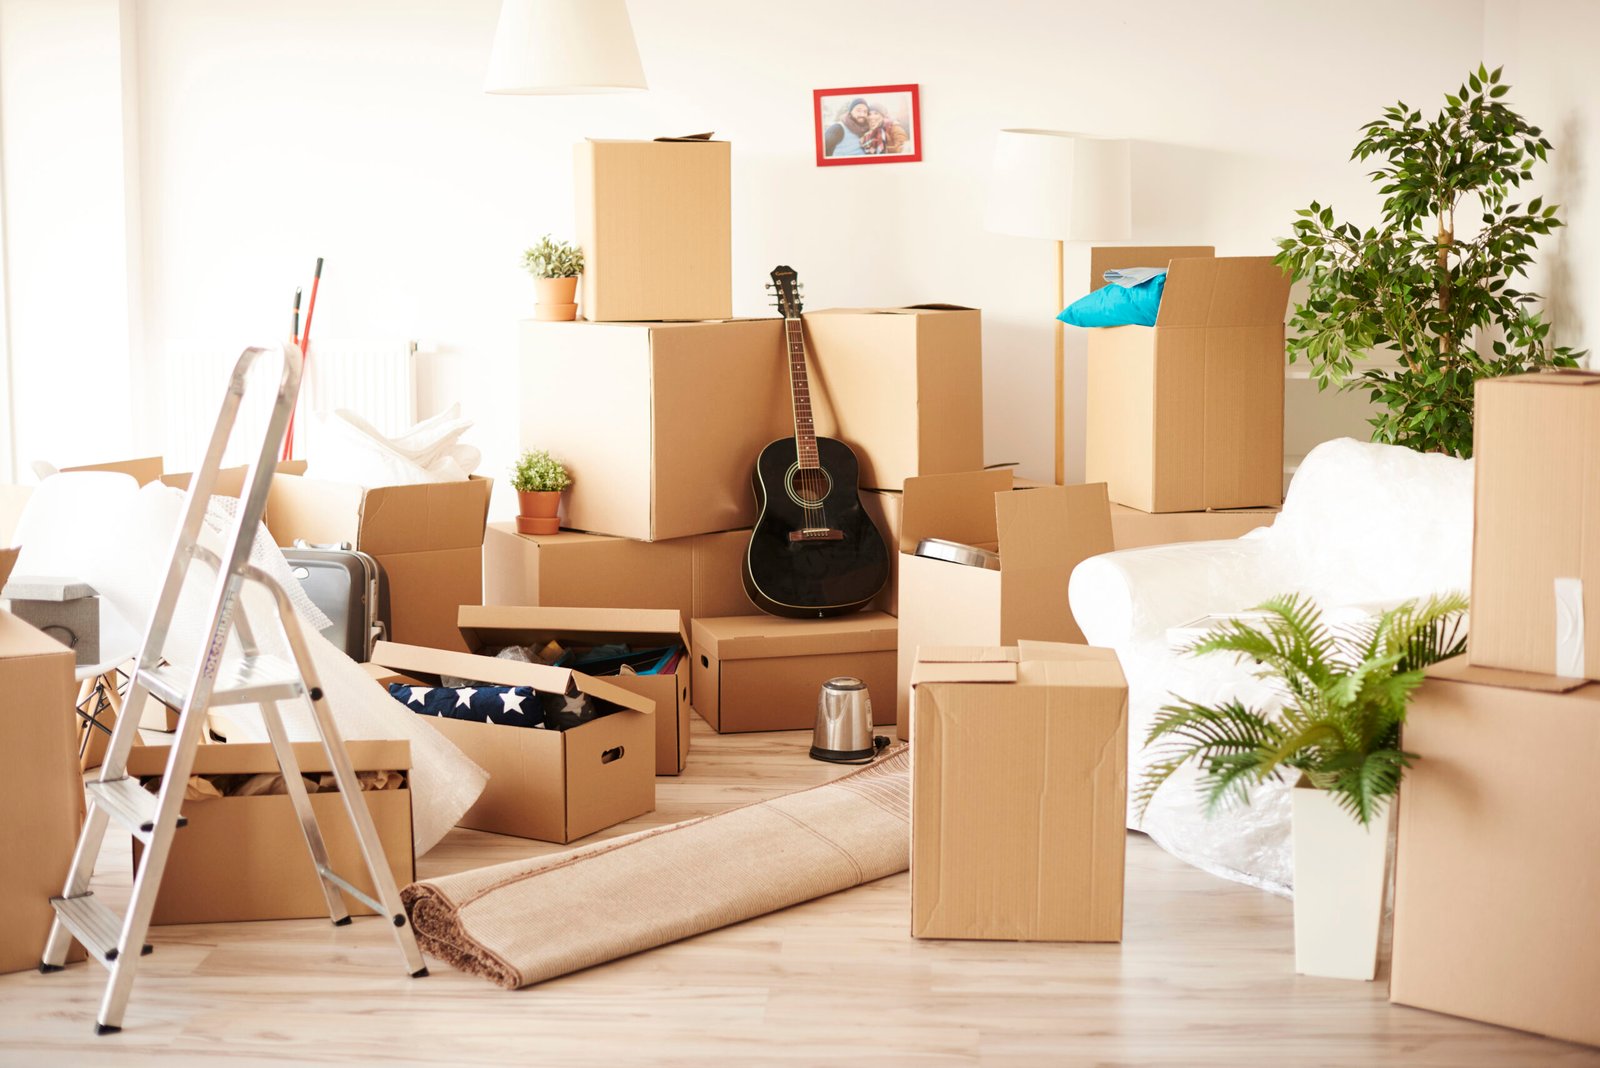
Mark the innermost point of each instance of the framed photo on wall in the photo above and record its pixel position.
(867, 124)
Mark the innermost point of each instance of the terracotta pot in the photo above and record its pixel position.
(1340, 872)
(555, 299)
(538, 512)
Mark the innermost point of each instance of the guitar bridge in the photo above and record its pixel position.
(816, 534)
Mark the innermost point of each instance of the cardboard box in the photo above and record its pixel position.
(1498, 856)
(1041, 534)
(554, 786)
(654, 219)
(487, 626)
(1188, 414)
(1133, 529)
(245, 858)
(1019, 781)
(1536, 524)
(40, 789)
(696, 576)
(659, 423)
(143, 469)
(903, 387)
(763, 673)
(428, 538)
(886, 508)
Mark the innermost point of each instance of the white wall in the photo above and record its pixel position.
(270, 134)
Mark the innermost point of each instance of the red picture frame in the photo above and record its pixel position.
(902, 116)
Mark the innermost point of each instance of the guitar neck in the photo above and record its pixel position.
(805, 431)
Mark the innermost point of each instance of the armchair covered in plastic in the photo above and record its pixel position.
(1363, 527)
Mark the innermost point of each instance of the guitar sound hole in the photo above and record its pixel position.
(809, 487)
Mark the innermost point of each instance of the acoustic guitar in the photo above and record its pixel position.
(814, 551)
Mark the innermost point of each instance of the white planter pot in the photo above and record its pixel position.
(1340, 869)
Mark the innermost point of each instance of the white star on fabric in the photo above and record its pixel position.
(419, 694)
(573, 703)
(512, 702)
(464, 697)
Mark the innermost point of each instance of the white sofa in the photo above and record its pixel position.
(1362, 525)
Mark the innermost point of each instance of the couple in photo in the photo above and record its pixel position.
(864, 129)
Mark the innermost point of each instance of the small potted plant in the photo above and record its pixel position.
(555, 266)
(539, 479)
(1344, 693)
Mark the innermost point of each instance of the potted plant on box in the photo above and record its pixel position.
(539, 480)
(555, 266)
(1428, 293)
(1344, 695)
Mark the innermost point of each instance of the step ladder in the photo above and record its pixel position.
(261, 679)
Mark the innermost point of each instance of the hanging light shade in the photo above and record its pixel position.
(563, 46)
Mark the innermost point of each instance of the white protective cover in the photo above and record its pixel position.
(347, 448)
(1364, 526)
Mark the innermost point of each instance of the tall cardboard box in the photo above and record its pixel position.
(1133, 529)
(659, 423)
(1497, 866)
(40, 788)
(1040, 533)
(903, 387)
(763, 673)
(654, 219)
(428, 538)
(885, 507)
(1536, 524)
(1188, 414)
(1019, 781)
(484, 626)
(553, 786)
(695, 576)
(245, 858)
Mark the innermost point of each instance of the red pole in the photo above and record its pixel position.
(304, 342)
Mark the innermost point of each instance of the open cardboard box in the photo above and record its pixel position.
(1133, 529)
(1041, 534)
(1188, 414)
(554, 786)
(485, 626)
(1019, 776)
(245, 858)
(903, 387)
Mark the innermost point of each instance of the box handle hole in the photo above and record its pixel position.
(704, 662)
(614, 753)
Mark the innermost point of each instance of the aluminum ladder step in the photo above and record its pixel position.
(131, 805)
(256, 679)
(96, 927)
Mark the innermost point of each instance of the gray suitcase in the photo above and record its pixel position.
(351, 589)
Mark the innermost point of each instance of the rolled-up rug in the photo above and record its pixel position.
(526, 921)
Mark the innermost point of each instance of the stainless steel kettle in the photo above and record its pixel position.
(843, 734)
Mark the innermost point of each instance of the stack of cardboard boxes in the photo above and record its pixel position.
(1185, 418)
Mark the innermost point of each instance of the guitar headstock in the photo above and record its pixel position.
(786, 290)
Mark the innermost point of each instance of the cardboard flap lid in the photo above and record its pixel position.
(384, 519)
(760, 637)
(498, 672)
(256, 758)
(1103, 258)
(958, 507)
(507, 623)
(1560, 376)
(1065, 663)
(1230, 291)
(8, 560)
(964, 663)
(1456, 669)
(144, 470)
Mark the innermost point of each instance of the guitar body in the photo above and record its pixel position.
(809, 577)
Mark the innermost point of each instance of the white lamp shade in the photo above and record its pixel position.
(563, 46)
(1070, 187)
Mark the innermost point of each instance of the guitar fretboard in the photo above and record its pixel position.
(805, 432)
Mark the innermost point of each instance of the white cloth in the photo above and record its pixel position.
(347, 448)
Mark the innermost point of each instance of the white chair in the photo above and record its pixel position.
(1363, 525)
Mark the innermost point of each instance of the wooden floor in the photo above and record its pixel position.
(1205, 976)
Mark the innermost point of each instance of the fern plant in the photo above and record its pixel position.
(536, 471)
(553, 259)
(1345, 695)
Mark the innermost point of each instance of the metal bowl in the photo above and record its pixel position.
(957, 553)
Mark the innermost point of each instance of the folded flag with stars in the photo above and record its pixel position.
(512, 706)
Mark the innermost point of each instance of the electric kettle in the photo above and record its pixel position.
(843, 734)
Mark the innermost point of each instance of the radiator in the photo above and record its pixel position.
(376, 379)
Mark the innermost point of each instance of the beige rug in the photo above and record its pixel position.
(530, 920)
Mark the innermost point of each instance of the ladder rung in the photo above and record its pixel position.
(130, 804)
(91, 923)
(256, 679)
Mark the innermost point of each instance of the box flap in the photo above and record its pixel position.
(1103, 258)
(1231, 291)
(383, 520)
(256, 758)
(485, 625)
(1457, 669)
(760, 637)
(1560, 376)
(966, 654)
(1065, 664)
(498, 672)
(8, 560)
(1043, 535)
(999, 672)
(958, 507)
(144, 470)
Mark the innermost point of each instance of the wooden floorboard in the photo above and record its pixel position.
(1204, 976)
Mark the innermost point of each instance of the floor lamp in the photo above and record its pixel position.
(1067, 187)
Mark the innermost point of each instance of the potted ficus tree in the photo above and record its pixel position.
(539, 480)
(555, 266)
(1344, 693)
